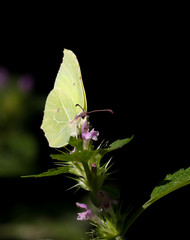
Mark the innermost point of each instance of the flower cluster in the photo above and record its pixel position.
(88, 135)
(104, 203)
(108, 224)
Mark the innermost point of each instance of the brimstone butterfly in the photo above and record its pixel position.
(59, 121)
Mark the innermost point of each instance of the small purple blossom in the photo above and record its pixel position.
(94, 168)
(93, 165)
(90, 135)
(94, 134)
(84, 215)
(86, 135)
(85, 127)
(88, 214)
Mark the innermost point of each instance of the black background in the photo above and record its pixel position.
(133, 61)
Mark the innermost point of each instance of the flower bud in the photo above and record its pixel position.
(94, 168)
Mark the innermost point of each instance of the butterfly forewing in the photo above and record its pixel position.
(69, 79)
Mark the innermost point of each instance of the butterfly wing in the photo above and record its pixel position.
(60, 107)
(58, 114)
(69, 79)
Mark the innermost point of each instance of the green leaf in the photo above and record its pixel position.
(76, 143)
(77, 156)
(50, 172)
(171, 183)
(117, 144)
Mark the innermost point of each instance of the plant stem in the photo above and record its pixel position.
(133, 218)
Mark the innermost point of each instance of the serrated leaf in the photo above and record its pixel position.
(77, 156)
(50, 172)
(171, 183)
(76, 143)
(117, 144)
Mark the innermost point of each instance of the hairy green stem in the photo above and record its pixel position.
(133, 218)
(91, 181)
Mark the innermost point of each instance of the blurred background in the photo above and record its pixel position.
(134, 62)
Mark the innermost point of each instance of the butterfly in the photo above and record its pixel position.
(62, 118)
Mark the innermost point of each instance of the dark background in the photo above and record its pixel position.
(134, 62)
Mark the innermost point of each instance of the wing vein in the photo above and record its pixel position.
(57, 134)
(64, 109)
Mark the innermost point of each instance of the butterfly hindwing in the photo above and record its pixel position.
(58, 113)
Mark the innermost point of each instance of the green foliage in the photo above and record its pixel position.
(50, 172)
(118, 144)
(170, 183)
(76, 143)
(75, 162)
(77, 156)
(112, 225)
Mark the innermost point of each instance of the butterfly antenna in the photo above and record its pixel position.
(87, 113)
(101, 110)
(78, 105)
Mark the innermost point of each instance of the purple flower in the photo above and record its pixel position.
(94, 134)
(85, 127)
(93, 165)
(84, 215)
(86, 135)
(88, 214)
